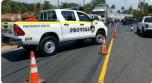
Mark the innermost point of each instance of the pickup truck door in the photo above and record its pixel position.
(69, 25)
(86, 24)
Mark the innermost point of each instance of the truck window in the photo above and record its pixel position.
(83, 17)
(148, 19)
(45, 16)
(42, 14)
(68, 15)
(52, 16)
(48, 16)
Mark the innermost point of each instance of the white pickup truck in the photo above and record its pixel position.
(145, 25)
(54, 27)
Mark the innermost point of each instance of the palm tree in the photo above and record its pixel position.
(113, 6)
(130, 9)
(122, 9)
(118, 11)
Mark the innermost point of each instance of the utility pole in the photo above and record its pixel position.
(141, 6)
(83, 2)
(58, 3)
(35, 7)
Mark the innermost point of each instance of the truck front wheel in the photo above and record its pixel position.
(99, 37)
(48, 45)
(138, 31)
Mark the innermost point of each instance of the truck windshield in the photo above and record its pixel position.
(149, 19)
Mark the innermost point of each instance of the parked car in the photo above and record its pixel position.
(145, 25)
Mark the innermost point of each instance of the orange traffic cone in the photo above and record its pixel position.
(114, 34)
(34, 75)
(103, 47)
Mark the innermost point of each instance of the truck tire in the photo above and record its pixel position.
(138, 31)
(99, 36)
(143, 32)
(48, 45)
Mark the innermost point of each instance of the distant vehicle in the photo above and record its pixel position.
(103, 11)
(145, 25)
(54, 27)
(129, 20)
(96, 17)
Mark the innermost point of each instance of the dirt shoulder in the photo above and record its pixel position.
(5, 48)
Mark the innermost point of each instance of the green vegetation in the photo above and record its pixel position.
(140, 12)
(11, 6)
(113, 6)
(88, 7)
(47, 5)
(69, 5)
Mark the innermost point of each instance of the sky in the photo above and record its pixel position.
(126, 3)
(118, 3)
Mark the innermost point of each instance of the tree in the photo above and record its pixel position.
(100, 1)
(6, 6)
(147, 9)
(130, 10)
(81, 8)
(47, 5)
(30, 7)
(88, 8)
(37, 8)
(10, 6)
(15, 7)
(122, 8)
(113, 6)
(118, 11)
(137, 13)
(95, 2)
(69, 5)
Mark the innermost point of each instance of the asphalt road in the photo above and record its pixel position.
(130, 62)
(131, 58)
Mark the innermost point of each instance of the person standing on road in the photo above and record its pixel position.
(132, 27)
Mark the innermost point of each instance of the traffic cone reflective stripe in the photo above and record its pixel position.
(33, 60)
(104, 48)
(34, 68)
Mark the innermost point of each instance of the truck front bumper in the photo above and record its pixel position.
(148, 30)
